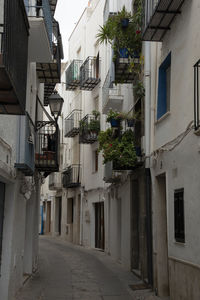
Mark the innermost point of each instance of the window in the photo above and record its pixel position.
(97, 66)
(95, 161)
(179, 224)
(164, 85)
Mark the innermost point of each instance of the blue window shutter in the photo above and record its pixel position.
(162, 103)
(162, 92)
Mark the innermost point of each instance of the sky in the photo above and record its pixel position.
(68, 14)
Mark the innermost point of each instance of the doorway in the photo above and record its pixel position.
(2, 205)
(48, 217)
(99, 226)
(135, 232)
(58, 215)
(78, 219)
(162, 238)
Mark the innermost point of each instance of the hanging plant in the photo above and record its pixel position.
(123, 32)
(120, 150)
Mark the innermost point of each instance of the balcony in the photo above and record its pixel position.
(89, 73)
(112, 97)
(47, 151)
(49, 73)
(73, 75)
(159, 15)
(72, 176)
(14, 31)
(55, 181)
(25, 161)
(123, 71)
(89, 129)
(41, 29)
(72, 123)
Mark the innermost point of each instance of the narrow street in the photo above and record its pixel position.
(71, 272)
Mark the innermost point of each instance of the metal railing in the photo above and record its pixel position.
(73, 75)
(72, 176)
(90, 73)
(41, 9)
(110, 90)
(47, 139)
(72, 123)
(89, 129)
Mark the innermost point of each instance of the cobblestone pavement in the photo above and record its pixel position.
(70, 272)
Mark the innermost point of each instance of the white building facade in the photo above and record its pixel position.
(23, 90)
(100, 208)
(173, 53)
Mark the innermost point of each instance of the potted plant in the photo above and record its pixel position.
(120, 150)
(123, 32)
(125, 22)
(114, 118)
(132, 117)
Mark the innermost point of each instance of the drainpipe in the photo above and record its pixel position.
(81, 216)
(147, 69)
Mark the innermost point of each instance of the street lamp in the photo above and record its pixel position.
(55, 104)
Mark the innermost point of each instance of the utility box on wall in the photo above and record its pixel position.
(25, 160)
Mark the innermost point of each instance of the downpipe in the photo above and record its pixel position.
(147, 69)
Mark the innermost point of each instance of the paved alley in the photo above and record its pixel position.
(71, 272)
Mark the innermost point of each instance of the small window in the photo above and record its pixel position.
(95, 161)
(179, 223)
(97, 66)
(164, 87)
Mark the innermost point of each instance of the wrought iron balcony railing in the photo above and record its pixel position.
(42, 10)
(72, 123)
(73, 75)
(123, 72)
(89, 129)
(47, 147)
(158, 17)
(72, 176)
(55, 181)
(14, 31)
(90, 73)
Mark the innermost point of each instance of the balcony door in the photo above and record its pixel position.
(2, 203)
